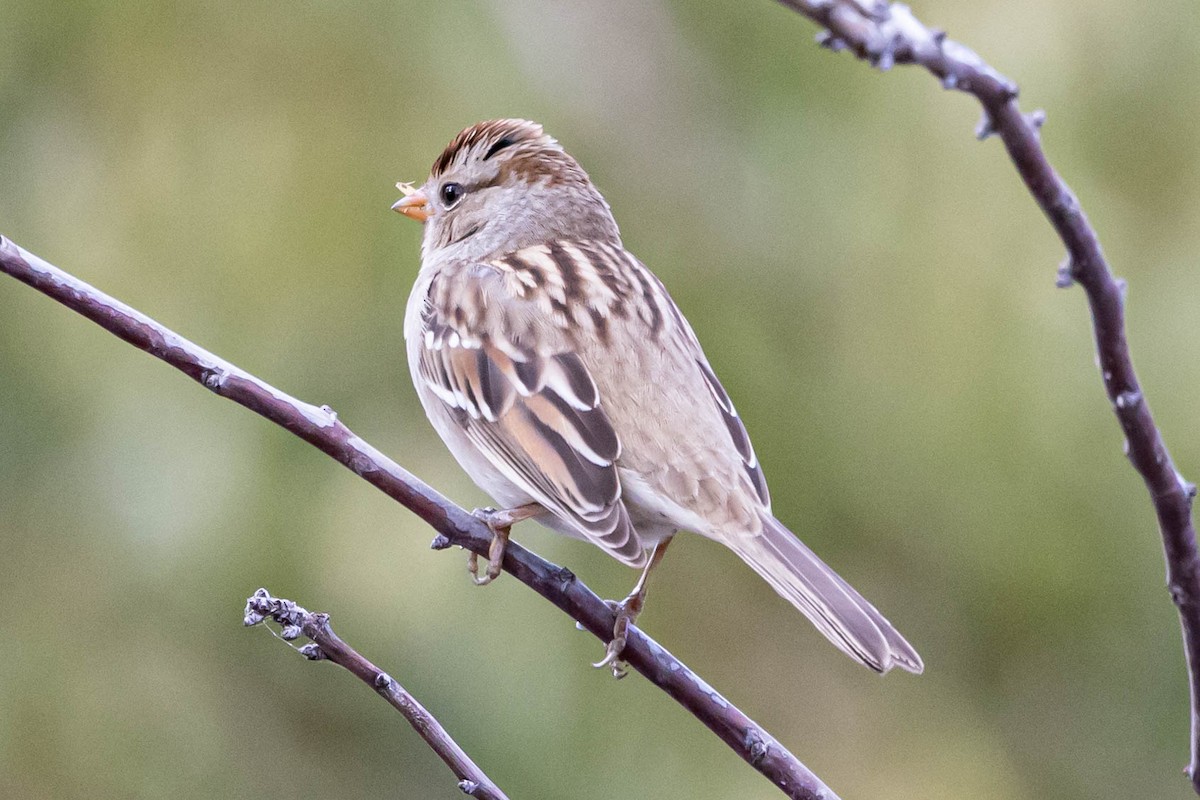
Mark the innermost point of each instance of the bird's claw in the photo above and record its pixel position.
(626, 614)
(490, 574)
(500, 522)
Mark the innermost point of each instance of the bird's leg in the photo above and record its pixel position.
(627, 613)
(499, 522)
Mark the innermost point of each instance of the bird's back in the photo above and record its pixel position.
(683, 453)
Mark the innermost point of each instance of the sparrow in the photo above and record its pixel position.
(569, 386)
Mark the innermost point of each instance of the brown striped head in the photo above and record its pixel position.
(502, 185)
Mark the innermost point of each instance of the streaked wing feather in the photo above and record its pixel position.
(538, 419)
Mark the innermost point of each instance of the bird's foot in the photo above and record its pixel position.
(627, 613)
(500, 522)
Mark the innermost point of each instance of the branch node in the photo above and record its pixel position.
(949, 81)
(1128, 399)
(1066, 273)
(290, 632)
(258, 607)
(758, 751)
(877, 11)
(468, 788)
(383, 681)
(333, 416)
(440, 542)
(1036, 118)
(1187, 487)
(565, 578)
(313, 652)
(214, 378)
(827, 40)
(1066, 203)
(883, 56)
(986, 126)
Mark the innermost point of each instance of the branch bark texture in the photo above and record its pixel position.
(327, 645)
(885, 35)
(320, 427)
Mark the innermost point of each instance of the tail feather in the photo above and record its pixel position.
(838, 611)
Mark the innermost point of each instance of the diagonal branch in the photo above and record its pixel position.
(321, 428)
(327, 645)
(885, 35)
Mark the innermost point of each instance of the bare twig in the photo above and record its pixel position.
(886, 34)
(321, 428)
(326, 644)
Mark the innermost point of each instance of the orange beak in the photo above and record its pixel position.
(414, 204)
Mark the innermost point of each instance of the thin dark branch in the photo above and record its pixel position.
(327, 645)
(889, 34)
(321, 428)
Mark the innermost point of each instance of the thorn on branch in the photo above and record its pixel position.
(883, 56)
(829, 41)
(986, 126)
(1066, 273)
(1036, 118)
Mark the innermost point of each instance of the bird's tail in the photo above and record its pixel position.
(838, 611)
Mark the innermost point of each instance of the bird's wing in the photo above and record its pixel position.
(527, 402)
(690, 344)
(737, 430)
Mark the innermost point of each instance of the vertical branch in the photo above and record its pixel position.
(885, 35)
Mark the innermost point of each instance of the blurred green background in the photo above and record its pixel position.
(875, 288)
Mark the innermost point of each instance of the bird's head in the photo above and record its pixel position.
(502, 185)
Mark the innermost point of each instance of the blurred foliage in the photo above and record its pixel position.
(874, 287)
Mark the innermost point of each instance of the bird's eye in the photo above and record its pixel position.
(451, 194)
